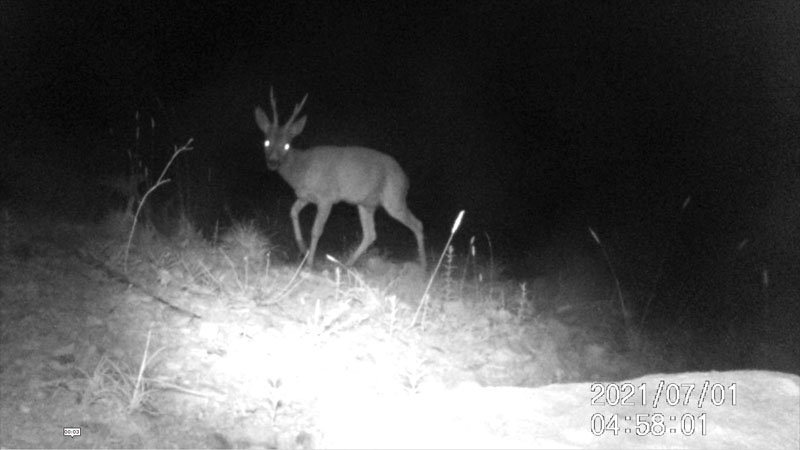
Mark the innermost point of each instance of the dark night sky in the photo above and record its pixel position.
(539, 118)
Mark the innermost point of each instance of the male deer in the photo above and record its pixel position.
(326, 175)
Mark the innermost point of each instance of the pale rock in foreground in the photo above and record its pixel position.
(766, 415)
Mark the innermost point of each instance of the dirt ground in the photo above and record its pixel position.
(183, 345)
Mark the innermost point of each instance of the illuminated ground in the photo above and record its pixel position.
(244, 352)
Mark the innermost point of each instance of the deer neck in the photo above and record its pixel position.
(294, 166)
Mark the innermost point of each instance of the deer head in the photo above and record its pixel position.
(278, 139)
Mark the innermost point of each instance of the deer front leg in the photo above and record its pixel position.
(298, 206)
(367, 216)
(323, 211)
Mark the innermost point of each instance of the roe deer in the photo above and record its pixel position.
(326, 175)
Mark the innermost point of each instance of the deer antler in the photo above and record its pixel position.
(297, 109)
(274, 106)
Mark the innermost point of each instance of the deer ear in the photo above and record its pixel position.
(297, 127)
(262, 120)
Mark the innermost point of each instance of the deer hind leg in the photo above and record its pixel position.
(403, 215)
(367, 216)
(323, 211)
(298, 206)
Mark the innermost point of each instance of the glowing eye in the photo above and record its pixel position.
(286, 147)
(266, 143)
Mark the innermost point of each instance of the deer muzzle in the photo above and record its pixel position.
(273, 164)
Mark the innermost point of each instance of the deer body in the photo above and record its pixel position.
(326, 175)
(335, 174)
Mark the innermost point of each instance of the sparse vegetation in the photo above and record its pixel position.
(160, 181)
(238, 329)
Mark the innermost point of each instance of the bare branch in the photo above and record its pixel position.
(161, 180)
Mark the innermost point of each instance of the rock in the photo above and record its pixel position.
(740, 409)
